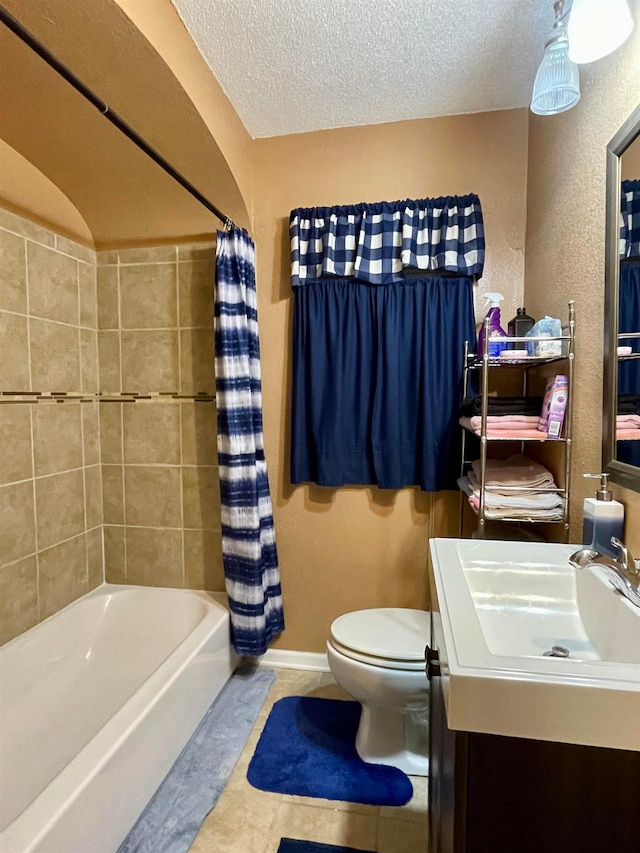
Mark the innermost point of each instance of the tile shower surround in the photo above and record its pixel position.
(153, 468)
(50, 477)
(160, 478)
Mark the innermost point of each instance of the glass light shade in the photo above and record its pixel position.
(597, 27)
(557, 84)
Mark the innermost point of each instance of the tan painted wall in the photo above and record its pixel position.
(353, 548)
(565, 243)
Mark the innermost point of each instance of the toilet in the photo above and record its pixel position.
(377, 656)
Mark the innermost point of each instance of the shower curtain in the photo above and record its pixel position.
(250, 559)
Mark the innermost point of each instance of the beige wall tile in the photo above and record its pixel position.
(93, 496)
(205, 251)
(152, 496)
(53, 285)
(147, 255)
(91, 432)
(150, 361)
(195, 288)
(109, 361)
(59, 507)
(76, 250)
(15, 443)
(112, 494)
(201, 498)
(95, 562)
(26, 228)
(14, 353)
(154, 557)
(89, 360)
(108, 311)
(199, 434)
(63, 575)
(13, 281)
(111, 432)
(203, 560)
(196, 361)
(107, 256)
(57, 437)
(114, 555)
(17, 522)
(152, 433)
(148, 296)
(88, 296)
(18, 598)
(55, 356)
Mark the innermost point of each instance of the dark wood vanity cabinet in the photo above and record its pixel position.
(495, 794)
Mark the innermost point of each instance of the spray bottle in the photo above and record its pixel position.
(494, 300)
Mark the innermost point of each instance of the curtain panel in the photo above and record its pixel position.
(378, 345)
(379, 243)
(249, 555)
(630, 219)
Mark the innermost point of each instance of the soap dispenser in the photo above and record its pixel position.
(603, 518)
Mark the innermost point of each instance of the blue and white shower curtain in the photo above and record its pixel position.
(249, 553)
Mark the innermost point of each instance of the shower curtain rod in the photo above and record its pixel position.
(16, 27)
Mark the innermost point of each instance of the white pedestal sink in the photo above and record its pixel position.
(502, 605)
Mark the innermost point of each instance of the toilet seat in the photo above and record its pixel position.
(391, 637)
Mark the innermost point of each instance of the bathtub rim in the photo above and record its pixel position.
(63, 789)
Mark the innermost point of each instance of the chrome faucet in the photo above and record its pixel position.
(623, 572)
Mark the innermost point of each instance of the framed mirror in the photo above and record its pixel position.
(621, 397)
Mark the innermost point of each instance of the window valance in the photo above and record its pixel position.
(630, 219)
(379, 243)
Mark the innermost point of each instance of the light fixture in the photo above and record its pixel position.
(597, 27)
(557, 83)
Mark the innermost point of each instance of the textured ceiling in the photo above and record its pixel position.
(291, 66)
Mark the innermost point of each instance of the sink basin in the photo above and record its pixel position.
(501, 607)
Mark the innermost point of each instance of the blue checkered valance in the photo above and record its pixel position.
(630, 219)
(379, 243)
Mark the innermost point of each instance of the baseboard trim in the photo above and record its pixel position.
(285, 659)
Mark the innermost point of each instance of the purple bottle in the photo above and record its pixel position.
(495, 348)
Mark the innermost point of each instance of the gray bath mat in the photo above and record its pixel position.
(191, 788)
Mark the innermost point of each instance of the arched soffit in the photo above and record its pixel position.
(124, 196)
(26, 191)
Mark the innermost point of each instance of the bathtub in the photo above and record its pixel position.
(96, 703)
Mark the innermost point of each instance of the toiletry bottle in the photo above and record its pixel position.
(519, 326)
(495, 348)
(603, 518)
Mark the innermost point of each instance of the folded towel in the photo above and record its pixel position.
(520, 514)
(513, 432)
(627, 434)
(625, 421)
(628, 404)
(493, 500)
(471, 406)
(509, 491)
(505, 422)
(517, 470)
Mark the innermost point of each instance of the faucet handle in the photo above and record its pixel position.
(626, 559)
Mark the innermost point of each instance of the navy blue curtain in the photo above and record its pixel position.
(376, 381)
(629, 371)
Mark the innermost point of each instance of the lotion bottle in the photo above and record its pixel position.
(603, 518)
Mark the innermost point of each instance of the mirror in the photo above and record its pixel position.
(621, 398)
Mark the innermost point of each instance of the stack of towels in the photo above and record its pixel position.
(500, 499)
(507, 417)
(628, 419)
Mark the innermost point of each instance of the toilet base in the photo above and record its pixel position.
(395, 738)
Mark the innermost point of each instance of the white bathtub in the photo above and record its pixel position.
(96, 703)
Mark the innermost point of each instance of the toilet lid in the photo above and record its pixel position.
(394, 633)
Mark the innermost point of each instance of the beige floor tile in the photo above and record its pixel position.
(400, 836)
(331, 826)
(248, 807)
(228, 836)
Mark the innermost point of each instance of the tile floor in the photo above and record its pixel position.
(246, 820)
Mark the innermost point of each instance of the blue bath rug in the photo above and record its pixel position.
(290, 845)
(307, 749)
(193, 785)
